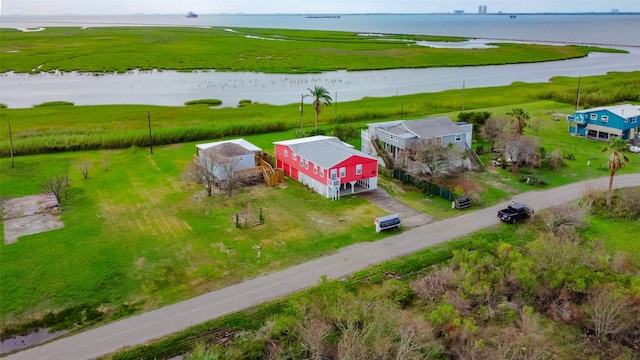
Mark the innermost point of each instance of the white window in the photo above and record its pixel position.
(604, 118)
(306, 164)
(458, 137)
(294, 156)
(358, 169)
(286, 153)
(315, 169)
(634, 120)
(343, 172)
(301, 162)
(626, 121)
(321, 172)
(594, 116)
(333, 173)
(386, 135)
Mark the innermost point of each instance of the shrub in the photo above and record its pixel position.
(533, 179)
(399, 292)
(244, 102)
(54, 103)
(210, 102)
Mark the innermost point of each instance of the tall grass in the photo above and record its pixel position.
(70, 128)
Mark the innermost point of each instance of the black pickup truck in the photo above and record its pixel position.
(515, 212)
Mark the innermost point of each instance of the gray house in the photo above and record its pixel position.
(397, 136)
(220, 158)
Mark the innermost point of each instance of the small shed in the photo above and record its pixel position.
(221, 157)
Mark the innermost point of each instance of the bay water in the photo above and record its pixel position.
(175, 88)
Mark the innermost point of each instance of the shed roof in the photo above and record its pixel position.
(228, 149)
(324, 151)
(242, 142)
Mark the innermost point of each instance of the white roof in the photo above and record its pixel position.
(242, 142)
(623, 111)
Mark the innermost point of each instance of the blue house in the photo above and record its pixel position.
(602, 123)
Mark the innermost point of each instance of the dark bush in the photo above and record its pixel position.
(533, 179)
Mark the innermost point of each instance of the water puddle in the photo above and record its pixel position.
(23, 341)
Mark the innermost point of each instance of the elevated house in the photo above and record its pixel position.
(397, 137)
(601, 123)
(236, 158)
(327, 165)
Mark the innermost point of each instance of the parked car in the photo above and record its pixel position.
(515, 212)
(635, 149)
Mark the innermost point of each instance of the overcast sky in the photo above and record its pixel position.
(106, 7)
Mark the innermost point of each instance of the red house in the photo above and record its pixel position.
(327, 165)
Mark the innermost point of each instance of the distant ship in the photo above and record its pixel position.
(192, 15)
(512, 16)
(322, 16)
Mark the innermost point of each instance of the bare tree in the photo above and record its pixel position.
(228, 169)
(313, 332)
(201, 175)
(214, 168)
(564, 216)
(84, 165)
(436, 157)
(606, 311)
(57, 185)
(494, 128)
(519, 150)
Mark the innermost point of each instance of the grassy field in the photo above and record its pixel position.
(245, 49)
(139, 234)
(67, 128)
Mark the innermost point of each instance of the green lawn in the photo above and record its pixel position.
(140, 234)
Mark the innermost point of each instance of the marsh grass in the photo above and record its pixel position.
(68, 128)
(119, 49)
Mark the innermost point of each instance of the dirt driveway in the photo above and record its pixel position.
(409, 216)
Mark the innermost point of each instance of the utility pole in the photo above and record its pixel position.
(150, 137)
(10, 143)
(463, 96)
(336, 103)
(301, 112)
(578, 94)
(401, 110)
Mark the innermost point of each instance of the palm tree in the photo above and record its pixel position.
(521, 118)
(320, 97)
(617, 160)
